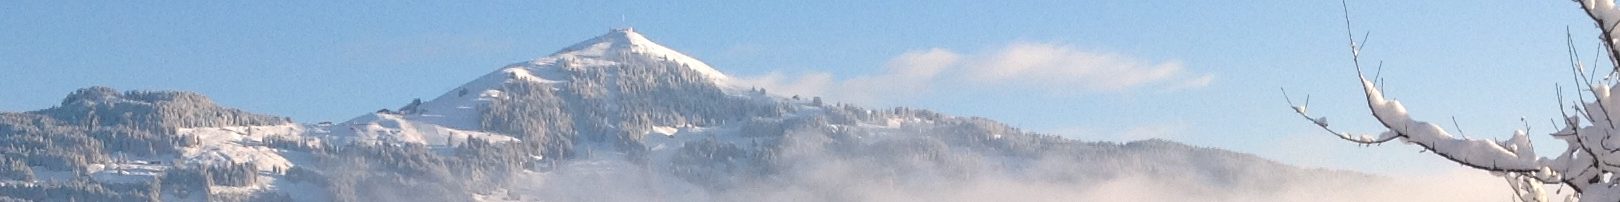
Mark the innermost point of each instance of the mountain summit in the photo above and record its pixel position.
(626, 42)
(617, 68)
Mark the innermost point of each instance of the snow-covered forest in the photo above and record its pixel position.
(619, 117)
(615, 118)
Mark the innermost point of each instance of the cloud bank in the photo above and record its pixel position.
(819, 176)
(1045, 67)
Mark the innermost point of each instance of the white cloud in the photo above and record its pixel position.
(1069, 68)
(908, 75)
(1041, 66)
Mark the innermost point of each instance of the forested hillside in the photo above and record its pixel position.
(615, 118)
(97, 126)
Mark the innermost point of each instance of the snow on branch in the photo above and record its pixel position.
(1514, 156)
(1606, 17)
(1586, 165)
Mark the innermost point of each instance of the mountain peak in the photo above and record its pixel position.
(458, 109)
(628, 34)
(617, 36)
(625, 41)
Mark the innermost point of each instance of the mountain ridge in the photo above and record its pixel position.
(624, 118)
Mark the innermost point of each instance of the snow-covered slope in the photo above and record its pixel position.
(621, 41)
(237, 145)
(455, 114)
(613, 118)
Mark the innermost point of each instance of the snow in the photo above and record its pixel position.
(238, 144)
(454, 116)
(627, 40)
(1605, 13)
(216, 146)
(127, 172)
(1475, 152)
(1585, 164)
(396, 128)
(1603, 9)
(242, 144)
(664, 130)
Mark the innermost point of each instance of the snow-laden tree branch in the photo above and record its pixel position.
(1604, 15)
(1588, 164)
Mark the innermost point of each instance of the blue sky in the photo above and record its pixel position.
(1222, 62)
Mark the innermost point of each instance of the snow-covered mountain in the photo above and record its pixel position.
(614, 118)
(456, 113)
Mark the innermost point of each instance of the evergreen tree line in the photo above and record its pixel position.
(359, 171)
(160, 110)
(615, 104)
(949, 147)
(16, 170)
(43, 141)
(93, 124)
(194, 177)
(79, 190)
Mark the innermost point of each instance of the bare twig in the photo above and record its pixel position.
(1378, 74)
(1459, 127)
